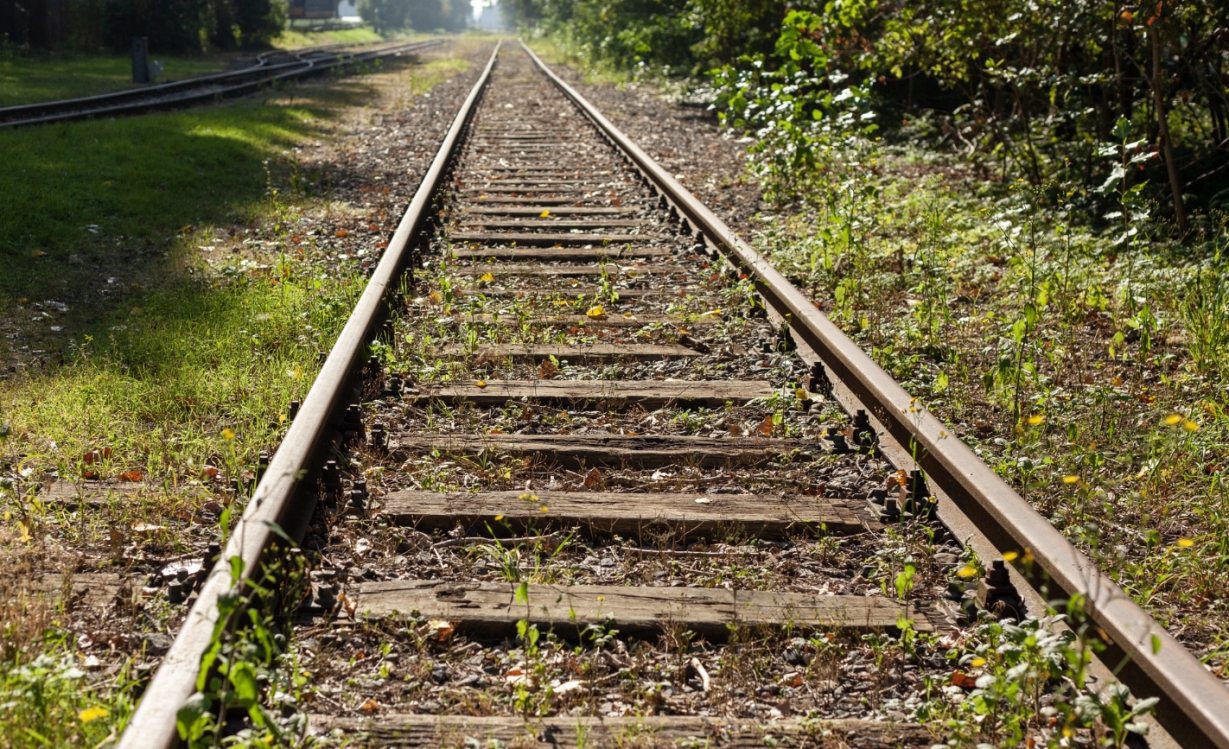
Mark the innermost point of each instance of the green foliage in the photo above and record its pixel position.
(972, 74)
(247, 665)
(1029, 686)
(48, 701)
(809, 119)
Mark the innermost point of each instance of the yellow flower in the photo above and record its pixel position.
(596, 311)
(1190, 426)
(543, 214)
(1010, 556)
(544, 508)
(91, 714)
(1070, 479)
(967, 571)
(486, 278)
(1185, 543)
(977, 662)
(498, 518)
(480, 383)
(529, 497)
(228, 434)
(1036, 419)
(1173, 419)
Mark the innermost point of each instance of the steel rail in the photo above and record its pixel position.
(168, 95)
(277, 503)
(1194, 705)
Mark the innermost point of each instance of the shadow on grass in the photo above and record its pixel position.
(85, 202)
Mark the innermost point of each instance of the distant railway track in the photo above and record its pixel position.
(585, 307)
(270, 69)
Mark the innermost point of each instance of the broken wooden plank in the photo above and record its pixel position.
(491, 609)
(90, 493)
(618, 450)
(630, 514)
(591, 352)
(544, 239)
(621, 732)
(651, 394)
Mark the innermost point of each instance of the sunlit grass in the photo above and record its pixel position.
(179, 365)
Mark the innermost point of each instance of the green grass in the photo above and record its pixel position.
(291, 39)
(182, 363)
(1091, 375)
(35, 77)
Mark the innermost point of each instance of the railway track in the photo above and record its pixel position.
(583, 470)
(271, 68)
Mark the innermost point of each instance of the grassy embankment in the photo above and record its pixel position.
(192, 320)
(1088, 368)
(34, 77)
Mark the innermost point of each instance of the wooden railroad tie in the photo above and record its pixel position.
(651, 394)
(642, 732)
(632, 515)
(570, 352)
(550, 240)
(492, 609)
(618, 451)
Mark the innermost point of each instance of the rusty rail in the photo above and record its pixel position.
(178, 94)
(273, 505)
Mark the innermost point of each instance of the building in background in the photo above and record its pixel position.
(312, 10)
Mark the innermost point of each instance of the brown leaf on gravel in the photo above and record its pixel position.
(592, 477)
(963, 680)
(765, 427)
(547, 370)
(370, 707)
(341, 233)
(134, 475)
(440, 629)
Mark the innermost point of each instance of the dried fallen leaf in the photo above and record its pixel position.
(547, 370)
(134, 475)
(597, 312)
(765, 427)
(342, 233)
(592, 477)
(571, 685)
(370, 707)
(963, 680)
(440, 629)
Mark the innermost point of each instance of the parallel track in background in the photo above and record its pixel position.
(269, 70)
(535, 209)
